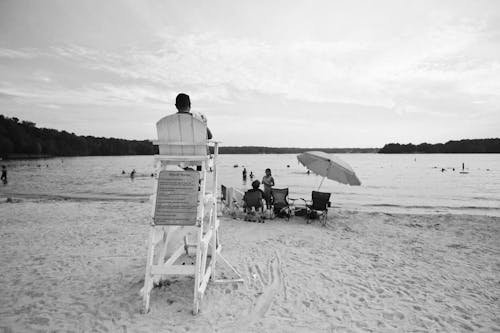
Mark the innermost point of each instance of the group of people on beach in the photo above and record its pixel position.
(268, 183)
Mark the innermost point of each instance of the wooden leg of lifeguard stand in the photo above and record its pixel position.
(148, 279)
(213, 241)
(215, 220)
(197, 275)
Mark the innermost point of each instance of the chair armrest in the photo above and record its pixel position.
(306, 202)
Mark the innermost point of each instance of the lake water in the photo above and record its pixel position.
(390, 183)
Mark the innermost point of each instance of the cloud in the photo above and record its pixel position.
(19, 54)
(314, 71)
(433, 61)
(337, 71)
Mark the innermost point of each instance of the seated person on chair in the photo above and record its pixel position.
(253, 203)
(253, 197)
(183, 105)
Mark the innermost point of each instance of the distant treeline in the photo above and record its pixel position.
(22, 139)
(461, 146)
(283, 150)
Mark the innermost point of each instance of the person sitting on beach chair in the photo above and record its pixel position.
(253, 203)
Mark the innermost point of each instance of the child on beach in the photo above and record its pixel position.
(268, 182)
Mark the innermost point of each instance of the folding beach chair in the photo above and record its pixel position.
(318, 207)
(253, 206)
(281, 207)
(224, 200)
(223, 195)
(182, 203)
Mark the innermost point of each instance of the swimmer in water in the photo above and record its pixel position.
(4, 174)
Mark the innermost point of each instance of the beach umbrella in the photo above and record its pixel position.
(328, 166)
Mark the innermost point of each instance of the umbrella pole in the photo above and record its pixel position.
(321, 183)
(322, 180)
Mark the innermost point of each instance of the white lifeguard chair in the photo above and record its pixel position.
(182, 199)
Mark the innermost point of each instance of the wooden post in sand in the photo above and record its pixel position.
(182, 201)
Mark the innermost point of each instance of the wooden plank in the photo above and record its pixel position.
(176, 198)
(174, 256)
(148, 280)
(204, 281)
(220, 256)
(205, 240)
(173, 270)
(222, 281)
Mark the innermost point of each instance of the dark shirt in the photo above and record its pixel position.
(252, 200)
(256, 190)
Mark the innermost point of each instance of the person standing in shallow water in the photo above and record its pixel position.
(4, 174)
(268, 182)
(244, 173)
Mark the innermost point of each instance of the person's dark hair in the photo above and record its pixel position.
(268, 170)
(255, 184)
(182, 102)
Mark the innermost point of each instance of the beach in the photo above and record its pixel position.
(78, 266)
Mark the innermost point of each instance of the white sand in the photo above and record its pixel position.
(79, 266)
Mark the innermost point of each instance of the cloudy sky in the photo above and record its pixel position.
(266, 72)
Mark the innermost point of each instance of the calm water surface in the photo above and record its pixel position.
(390, 183)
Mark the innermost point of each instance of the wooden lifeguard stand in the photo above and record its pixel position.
(184, 199)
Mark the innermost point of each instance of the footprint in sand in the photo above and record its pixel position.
(270, 284)
(393, 315)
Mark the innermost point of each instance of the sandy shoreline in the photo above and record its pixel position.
(78, 266)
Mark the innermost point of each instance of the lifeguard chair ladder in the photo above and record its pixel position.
(181, 199)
